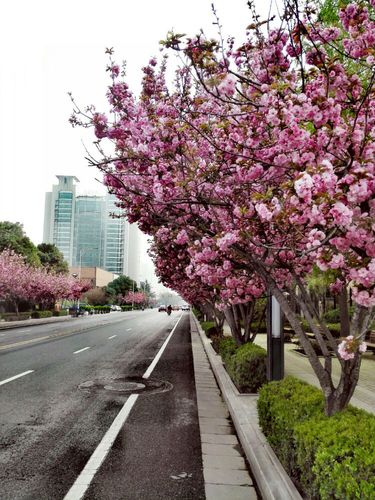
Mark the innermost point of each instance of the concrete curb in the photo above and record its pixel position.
(272, 480)
(8, 325)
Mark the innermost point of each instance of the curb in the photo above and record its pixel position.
(272, 480)
(9, 325)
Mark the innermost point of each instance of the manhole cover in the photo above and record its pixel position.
(125, 386)
(119, 386)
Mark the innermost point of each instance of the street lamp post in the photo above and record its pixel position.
(275, 340)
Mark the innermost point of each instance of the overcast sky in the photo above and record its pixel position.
(50, 48)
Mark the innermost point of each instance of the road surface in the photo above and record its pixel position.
(61, 391)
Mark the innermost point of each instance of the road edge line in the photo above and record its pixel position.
(83, 481)
(150, 369)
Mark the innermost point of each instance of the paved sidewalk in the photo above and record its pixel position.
(225, 472)
(298, 365)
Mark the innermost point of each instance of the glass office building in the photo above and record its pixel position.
(59, 215)
(89, 224)
(89, 232)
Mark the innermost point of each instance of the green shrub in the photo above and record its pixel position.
(126, 308)
(12, 316)
(281, 405)
(247, 367)
(328, 457)
(211, 329)
(336, 455)
(41, 314)
(227, 347)
(63, 312)
(206, 325)
(102, 309)
(332, 316)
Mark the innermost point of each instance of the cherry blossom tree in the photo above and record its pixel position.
(261, 162)
(21, 281)
(134, 298)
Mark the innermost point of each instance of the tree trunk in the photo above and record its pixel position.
(344, 313)
(233, 325)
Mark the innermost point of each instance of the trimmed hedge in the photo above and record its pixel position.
(12, 316)
(63, 312)
(211, 329)
(226, 348)
(247, 367)
(102, 309)
(126, 308)
(41, 314)
(327, 457)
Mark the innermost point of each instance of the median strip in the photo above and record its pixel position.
(15, 377)
(81, 350)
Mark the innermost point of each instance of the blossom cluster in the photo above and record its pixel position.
(260, 173)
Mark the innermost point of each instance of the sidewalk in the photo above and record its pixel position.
(226, 477)
(298, 365)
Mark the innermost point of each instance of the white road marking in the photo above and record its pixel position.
(15, 377)
(161, 350)
(83, 481)
(23, 331)
(81, 350)
(113, 336)
(128, 329)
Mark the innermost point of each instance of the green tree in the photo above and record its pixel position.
(120, 286)
(52, 259)
(13, 237)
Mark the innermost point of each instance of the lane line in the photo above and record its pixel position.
(128, 329)
(15, 377)
(81, 350)
(23, 342)
(161, 350)
(113, 336)
(83, 481)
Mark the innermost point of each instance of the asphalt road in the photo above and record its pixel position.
(70, 388)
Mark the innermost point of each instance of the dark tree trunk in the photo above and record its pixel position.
(344, 313)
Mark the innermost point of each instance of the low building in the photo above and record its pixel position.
(94, 275)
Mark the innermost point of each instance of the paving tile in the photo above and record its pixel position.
(224, 462)
(224, 476)
(219, 439)
(214, 421)
(224, 492)
(213, 412)
(220, 449)
(216, 429)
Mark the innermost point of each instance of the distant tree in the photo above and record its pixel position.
(13, 237)
(145, 287)
(52, 259)
(120, 286)
(96, 297)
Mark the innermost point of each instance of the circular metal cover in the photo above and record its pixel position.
(120, 386)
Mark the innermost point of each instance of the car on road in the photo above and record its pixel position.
(185, 307)
(162, 308)
(115, 308)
